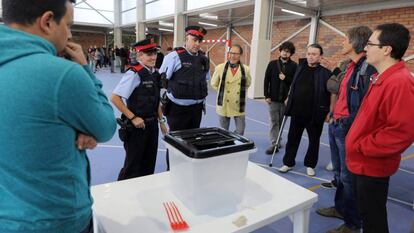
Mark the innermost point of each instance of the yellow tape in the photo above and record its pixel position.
(407, 157)
(315, 187)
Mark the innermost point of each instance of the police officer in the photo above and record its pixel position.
(187, 72)
(140, 87)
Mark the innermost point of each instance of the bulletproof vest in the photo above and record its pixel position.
(189, 82)
(145, 98)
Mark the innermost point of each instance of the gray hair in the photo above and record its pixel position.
(358, 37)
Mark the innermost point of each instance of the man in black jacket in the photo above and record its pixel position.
(308, 105)
(278, 77)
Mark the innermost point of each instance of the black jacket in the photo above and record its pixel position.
(274, 88)
(322, 97)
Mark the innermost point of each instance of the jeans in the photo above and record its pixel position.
(345, 197)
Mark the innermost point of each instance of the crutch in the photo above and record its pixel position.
(276, 149)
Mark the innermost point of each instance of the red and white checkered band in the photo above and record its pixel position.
(218, 41)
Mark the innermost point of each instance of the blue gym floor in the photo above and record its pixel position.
(107, 159)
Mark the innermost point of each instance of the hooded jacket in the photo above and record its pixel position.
(46, 101)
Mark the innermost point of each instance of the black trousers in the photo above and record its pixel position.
(141, 148)
(183, 117)
(372, 193)
(314, 130)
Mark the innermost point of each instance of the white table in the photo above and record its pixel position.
(135, 205)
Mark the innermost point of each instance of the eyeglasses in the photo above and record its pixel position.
(230, 53)
(369, 44)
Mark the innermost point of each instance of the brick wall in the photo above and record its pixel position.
(87, 39)
(330, 40)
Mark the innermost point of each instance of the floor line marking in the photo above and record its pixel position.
(294, 172)
(404, 170)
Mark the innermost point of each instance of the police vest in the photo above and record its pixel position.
(189, 82)
(145, 98)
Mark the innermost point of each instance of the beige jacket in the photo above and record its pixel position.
(231, 98)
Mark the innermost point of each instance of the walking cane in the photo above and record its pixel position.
(276, 149)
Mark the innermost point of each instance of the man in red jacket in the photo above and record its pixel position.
(383, 127)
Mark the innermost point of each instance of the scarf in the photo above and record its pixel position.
(242, 87)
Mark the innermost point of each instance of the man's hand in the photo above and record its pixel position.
(268, 100)
(328, 64)
(75, 53)
(282, 76)
(164, 129)
(138, 122)
(84, 142)
(328, 118)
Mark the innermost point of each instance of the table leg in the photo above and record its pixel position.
(300, 221)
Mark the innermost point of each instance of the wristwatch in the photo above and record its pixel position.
(162, 120)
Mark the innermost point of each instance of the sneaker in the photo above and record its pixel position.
(329, 212)
(344, 229)
(329, 167)
(310, 171)
(270, 150)
(329, 185)
(284, 169)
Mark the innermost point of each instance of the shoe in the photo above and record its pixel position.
(270, 150)
(329, 212)
(284, 169)
(344, 229)
(329, 185)
(310, 171)
(329, 167)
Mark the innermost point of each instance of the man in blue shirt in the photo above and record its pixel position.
(140, 87)
(53, 109)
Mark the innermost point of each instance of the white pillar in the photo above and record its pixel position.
(313, 34)
(117, 23)
(260, 46)
(140, 26)
(179, 23)
(228, 37)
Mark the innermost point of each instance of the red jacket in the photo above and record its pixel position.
(384, 125)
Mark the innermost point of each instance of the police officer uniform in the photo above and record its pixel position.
(140, 86)
(187, 76)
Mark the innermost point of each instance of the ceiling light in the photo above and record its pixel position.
(166, 24)
(208, 16)
(293, 12)
(165, 29)
(207, 24)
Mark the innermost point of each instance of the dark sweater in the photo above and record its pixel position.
(303, 97)
(274, 88)
(321, 96)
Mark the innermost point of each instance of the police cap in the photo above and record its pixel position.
(146, 45)
(196, 31)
